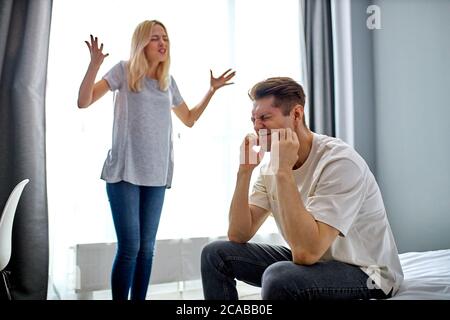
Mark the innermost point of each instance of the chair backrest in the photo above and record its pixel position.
(6, 223)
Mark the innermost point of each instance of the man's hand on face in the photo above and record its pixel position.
(284, 153)
(250, 157)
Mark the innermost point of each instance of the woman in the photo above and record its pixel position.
(139, 165)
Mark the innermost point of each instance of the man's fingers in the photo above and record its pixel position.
(274, 134)
(288, 134)
(294, 136)
(252, 140)
(248, 154)
(280, 134)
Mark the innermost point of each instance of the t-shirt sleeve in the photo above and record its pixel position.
(259, 196)
(177, 99)
(116, 76)
(339, 195)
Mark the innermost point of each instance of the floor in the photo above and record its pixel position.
(188, 290)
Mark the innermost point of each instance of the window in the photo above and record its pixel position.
(257, 38)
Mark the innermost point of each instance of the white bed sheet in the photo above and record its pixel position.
(427, 276)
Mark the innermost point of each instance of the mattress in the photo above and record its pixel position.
(426, 275)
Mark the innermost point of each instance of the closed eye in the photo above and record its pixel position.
(261, 118)
(157, 38)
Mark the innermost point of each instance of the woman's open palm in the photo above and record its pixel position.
(97, 55)
(217, 83)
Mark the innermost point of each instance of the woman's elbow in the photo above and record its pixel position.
(189, 123)
(82, 104)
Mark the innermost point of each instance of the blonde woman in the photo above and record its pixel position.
(139, 166)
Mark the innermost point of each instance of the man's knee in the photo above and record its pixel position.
(211, 253)
(277, 281)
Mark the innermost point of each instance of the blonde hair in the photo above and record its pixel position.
(138, 64)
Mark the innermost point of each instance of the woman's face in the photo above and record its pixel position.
(157, 50)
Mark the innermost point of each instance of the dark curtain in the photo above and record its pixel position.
(319, 61)
(24, 42)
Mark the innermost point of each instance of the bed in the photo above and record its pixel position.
(427, 276)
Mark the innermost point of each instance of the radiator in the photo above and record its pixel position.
(175, 260)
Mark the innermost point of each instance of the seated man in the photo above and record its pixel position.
(327, 206)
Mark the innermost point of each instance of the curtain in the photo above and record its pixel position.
(24, 42)
(319, 61)
(343, 69)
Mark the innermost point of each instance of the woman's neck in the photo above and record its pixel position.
(152, 71)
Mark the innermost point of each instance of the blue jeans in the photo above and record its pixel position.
(136, 211)
(271, 267)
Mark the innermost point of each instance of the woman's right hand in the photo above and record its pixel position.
(97, 55)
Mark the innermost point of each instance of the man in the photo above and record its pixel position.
(327, 206)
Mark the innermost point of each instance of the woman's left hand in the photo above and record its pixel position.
(217, 83)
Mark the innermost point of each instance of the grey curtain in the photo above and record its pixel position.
(319, 61)
(24, 41)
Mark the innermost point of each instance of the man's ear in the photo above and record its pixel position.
(298, 113)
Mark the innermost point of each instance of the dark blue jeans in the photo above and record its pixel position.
(271, 268)
(136, 211)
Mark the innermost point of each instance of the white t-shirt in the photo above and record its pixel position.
(338, 188)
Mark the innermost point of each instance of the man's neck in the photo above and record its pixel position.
(305, 137)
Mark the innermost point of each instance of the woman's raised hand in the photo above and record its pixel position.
(97, 55)
(217, 83)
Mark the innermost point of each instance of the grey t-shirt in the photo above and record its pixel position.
(142, 147)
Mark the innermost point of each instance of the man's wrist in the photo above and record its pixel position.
(243, 170)
(282, 172)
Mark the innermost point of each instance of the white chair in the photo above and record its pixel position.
(6, 224)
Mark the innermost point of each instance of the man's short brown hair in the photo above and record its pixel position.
(287, 93)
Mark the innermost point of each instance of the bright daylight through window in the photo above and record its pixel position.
(257, 38)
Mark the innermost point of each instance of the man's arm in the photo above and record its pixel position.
(244, 219)
(308, 238)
